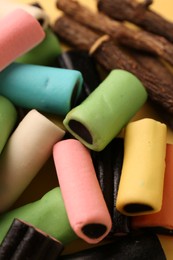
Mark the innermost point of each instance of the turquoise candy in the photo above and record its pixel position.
(44, 88)
(103, 114)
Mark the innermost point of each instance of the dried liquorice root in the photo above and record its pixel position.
(138, 39)
(139, 14)
(111, 56)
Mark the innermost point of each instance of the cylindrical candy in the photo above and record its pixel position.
(19, 32)
(162, 221)
(45, 53)
(26, 151)
(24, 241)
(8, 118)
(44, 88)
(47, 214)
(142, 246)
(82, 61)
(38, 13)
(141, 183)
(83, 198)
(102, 115)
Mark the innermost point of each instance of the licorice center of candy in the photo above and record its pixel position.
(81, 130)
(41, 21)
(94, 230)
(134, 208)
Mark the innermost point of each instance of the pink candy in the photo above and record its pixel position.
(83, 198)
(19, 32)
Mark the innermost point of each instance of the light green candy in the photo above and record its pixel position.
(45, 53)
(102, 115)
(48, 214)
(8, 118)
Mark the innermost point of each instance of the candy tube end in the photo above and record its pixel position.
(81, 130)
(94, 230)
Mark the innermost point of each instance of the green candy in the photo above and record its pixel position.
(45, 53)
(8, 118)
(102, 115)
(47, 214)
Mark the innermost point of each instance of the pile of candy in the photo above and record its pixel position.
(114, 175)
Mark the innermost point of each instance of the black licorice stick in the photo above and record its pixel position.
(29, 245)
(82, 61)
(108, 165)
(12, 239)
(103, 166)
(55, 252)
(121, 223)
(24, 241)
(130, 247)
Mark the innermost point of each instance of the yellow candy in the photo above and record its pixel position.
(141, 184)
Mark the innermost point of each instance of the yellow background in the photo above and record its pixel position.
(163, 7)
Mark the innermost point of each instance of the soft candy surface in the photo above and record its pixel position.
(46, 179)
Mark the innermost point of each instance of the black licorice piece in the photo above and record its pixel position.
(82, 61)
(23, 241)
(130, 247)
(121, 223)
(103, 166)
(12, 239)
(108, 165)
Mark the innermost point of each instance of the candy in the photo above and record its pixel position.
(162, 221)
(26, 151)
(24, 241)
(108, 165)
(80, 60)
(108, 56)
(8, 118)
(44, 88)
(141, 184)
(112, 56)
(87, 211)
(101, 116)
(19, 32)
(45, 53)
(47, 214)
(38, 13)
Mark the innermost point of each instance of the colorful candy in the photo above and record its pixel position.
(26, 151)
(45, 53)
(83, 199)
(162, 221)
(44, 88)
(19, 32)
(8, 6)
(8, 119)
(82, 61)
(102, 182)
(141, 184)
(47, 214)
(103, 114)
